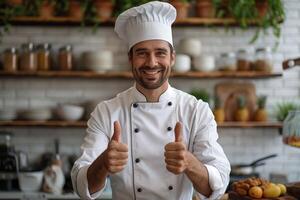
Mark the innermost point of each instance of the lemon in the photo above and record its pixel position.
(282, 188)
(271, 191)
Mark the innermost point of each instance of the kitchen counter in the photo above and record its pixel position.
(44, 196)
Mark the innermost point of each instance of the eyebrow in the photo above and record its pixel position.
(145, 49)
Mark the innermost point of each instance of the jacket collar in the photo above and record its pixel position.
(168, 95)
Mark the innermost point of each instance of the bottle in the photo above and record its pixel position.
(44, 57)
(10, 60)
(227, 62)
(28, 59)
(263, 60)
(243, 60)
(65, 58)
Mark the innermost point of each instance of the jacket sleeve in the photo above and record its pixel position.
(95, 142)
(207, 149)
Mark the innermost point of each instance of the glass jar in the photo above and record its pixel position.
(263, 60)
(65, 58)
(28, 59)
(243, 60)
(291, 129)
(44, 57)
(10, 59)
(227, 62)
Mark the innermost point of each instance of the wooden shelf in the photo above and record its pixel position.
(128, 75)
(250, 125)
(82, 124)
(190, 21)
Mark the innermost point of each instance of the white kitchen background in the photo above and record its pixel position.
(240, 145)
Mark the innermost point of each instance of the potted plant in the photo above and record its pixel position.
(47, 8)
(247, 11)
(104, 8)
(122, 5)
(14, 2)
(182, 8)
(201, 94)
(282, 109)
(76, 9)
(207, 8)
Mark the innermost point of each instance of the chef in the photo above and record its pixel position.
(153, 141)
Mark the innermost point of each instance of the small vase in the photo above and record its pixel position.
(205, 9)
(181, 8)
(47, 10)
(104, 9)
(262, 7)
(75, 10)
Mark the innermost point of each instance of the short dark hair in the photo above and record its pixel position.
(130, 52)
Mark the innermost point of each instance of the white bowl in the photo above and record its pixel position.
(97, 61)
(30, 181)
(182, 63)
(190, 46)
(204, 63)
(69, 112)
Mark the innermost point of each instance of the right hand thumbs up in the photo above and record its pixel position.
(116, 154)
(117, 132)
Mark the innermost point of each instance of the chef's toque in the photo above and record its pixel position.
(150, 21)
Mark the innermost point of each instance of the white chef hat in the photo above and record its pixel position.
(149, 21)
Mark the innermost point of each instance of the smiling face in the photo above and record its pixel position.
(151, 62)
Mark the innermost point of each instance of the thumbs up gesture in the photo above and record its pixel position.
(176, 155)
(116, 154)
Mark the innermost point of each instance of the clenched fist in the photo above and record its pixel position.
(176, 155)
(116, 155)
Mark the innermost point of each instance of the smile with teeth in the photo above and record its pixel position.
(151, 71)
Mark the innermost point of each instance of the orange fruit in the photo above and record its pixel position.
(255, 192)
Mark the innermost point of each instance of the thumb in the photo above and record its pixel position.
(178, 132)
(117, 132)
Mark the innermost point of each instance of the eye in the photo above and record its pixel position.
(141, 54)
(161, 53)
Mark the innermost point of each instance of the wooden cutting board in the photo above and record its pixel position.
(236, 196)
(228, 92)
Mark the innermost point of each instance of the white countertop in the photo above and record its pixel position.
(44, 196)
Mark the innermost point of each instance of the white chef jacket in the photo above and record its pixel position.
(146, 128)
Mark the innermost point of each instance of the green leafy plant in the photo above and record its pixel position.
(122, 5)
(201, 94)
(282, 109)
(245, 12)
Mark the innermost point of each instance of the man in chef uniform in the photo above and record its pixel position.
(153, 141)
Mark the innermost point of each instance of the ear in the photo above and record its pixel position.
(173, 56)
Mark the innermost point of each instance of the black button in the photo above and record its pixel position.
(136, 130)
(170, 187)
(137, 160)
(135, 105)
(139, 190)
(169, 128)
(169, 103)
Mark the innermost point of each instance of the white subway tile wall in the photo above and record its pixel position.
(240, 145)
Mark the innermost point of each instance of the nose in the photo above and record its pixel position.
(152, 61)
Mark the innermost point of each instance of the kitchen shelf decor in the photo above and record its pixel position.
(128, 74)
(82, 124)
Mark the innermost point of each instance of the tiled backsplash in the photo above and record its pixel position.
(241, 145)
